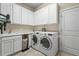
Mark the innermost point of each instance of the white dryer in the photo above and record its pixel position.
(34, 40)
(49, 43)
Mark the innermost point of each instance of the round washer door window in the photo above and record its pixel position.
(34, 39)
(46, 43)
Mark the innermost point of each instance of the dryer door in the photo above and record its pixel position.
(34, 39)
(46, 43)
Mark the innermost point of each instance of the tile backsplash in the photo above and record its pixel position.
(49, 27)
(16, 28)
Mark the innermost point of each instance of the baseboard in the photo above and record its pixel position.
(71, 51)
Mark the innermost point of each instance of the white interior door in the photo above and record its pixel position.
(70, 31)
(71, 20)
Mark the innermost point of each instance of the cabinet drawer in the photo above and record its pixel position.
(11, 37)
(7, 38)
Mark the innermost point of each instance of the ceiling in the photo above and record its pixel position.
(33, 5)
(36, 6)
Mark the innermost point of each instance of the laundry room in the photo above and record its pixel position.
(39, 29)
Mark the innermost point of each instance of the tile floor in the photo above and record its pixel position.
(64, 54)
(32, 52)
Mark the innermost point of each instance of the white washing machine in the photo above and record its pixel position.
(34, 40)
(49, 43)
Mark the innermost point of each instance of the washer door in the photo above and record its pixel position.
(46, 43)
(34, 39)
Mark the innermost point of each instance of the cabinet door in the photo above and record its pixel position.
(17, 43)
(44, 15)
(41, 16)
(24, 16)
(6, 8)
(16, 14)
(7, 46)
(30, 17)
(52, 13)
(70, 31)
(0, 7)
(36, 18)
(27, 17)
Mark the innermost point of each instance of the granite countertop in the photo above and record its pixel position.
(13, 34)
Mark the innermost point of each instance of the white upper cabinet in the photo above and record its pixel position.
(46, 15)
(24, 16)
(6, 8)
(41, 16)
(37, 18)
(30, 17)
(27, 16)
(52, 13)
(16, 14)
(21, 15)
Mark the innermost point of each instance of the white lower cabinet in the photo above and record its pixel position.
(7, 46)
(17, 43)
(10, 45)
